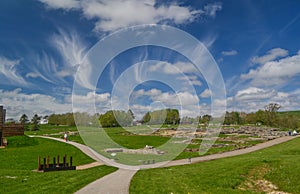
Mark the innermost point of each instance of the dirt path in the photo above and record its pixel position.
(119, 181)
(86, 166)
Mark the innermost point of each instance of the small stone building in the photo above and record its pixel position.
(8, 130)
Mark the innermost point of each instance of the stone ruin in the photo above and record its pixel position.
(8, 130)
(265, 133)
(146, 150)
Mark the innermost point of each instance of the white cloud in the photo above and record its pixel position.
(253, 93)
(229, 53)
(112, 15)
(152, 92)
(252, 99)
(169, 99)
(192, 79)
(274, 72)
(91, 97)
(90, 103)
(9, 72)
(271, 55)
(206, 93)
(17, 103)
(59, 4)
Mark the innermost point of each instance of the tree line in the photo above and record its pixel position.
(116, 118)
(268, 117)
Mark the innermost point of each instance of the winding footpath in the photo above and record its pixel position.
(119, 181)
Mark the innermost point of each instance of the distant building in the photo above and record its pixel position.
(8, 130)
(43, 121)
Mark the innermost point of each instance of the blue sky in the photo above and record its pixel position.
(43, 43)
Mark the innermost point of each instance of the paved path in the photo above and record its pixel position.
(119, 181)
(231, 153)
(114, 183)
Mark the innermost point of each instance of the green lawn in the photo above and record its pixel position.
(226, 175)
(134, 141)
(19, 160)
(54, 130)
(51, 129)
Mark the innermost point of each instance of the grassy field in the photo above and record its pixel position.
(131, 138)
(51, 129)
(278, 164)
(57, 131)
(19, 160)
(134, 141)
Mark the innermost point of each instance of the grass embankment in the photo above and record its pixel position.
(19, 160)
(278, 164)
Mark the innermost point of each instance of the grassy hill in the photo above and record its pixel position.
(250, 173)
(19, 160)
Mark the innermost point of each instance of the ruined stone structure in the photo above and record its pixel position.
(8, 130)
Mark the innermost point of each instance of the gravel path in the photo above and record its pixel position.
(119, 181)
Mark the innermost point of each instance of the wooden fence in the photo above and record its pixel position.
(55, 165)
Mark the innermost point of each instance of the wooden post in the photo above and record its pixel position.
(71, 161)
(48, 161)
(54, 160)
(39, 163)
(44, 163)
(64, 160)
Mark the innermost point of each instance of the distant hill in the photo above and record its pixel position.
(296, 113)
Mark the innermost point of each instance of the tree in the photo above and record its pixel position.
(272, 107)
(24, 119)
(271, 110)
(116, 118)
(165, 116)
(146, 118)
(35, 122)
(131, 114)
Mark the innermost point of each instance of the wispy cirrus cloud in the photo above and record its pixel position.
(229, 53)
(176, 68)
(54, 67)
(71, 48)
(9, 71)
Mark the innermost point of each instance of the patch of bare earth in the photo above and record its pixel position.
(256, 183)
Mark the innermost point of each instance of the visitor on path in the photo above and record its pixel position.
(66, 137)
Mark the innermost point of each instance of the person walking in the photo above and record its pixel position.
(66, 137)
